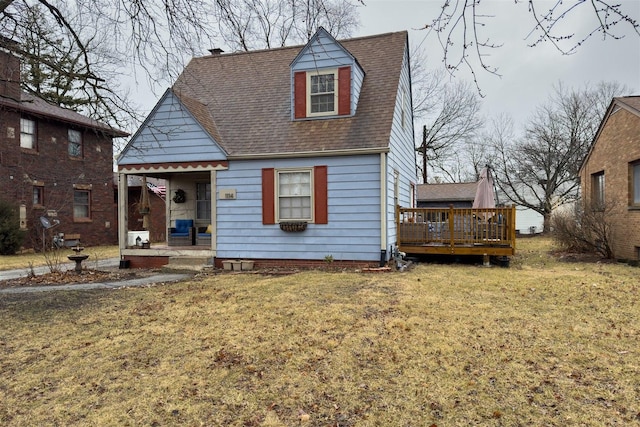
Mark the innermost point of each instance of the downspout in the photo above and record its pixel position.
(383, 208)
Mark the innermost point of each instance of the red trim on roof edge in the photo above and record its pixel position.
(143, 166)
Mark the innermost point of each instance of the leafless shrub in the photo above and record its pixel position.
(585, 229)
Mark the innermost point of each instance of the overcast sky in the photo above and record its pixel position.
(528, 73)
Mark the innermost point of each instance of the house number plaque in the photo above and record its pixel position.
(227, 194)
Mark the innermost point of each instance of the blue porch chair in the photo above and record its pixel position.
(181, 234)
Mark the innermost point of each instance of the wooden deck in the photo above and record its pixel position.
(456, 231)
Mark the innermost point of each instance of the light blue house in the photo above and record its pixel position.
(294, 155)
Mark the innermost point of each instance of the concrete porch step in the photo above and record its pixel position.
(188, 263)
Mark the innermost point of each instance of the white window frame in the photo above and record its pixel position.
(73, 142)
(323, 72)
(27, 133)
(279, 172)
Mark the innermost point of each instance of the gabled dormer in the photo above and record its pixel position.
(325, 80)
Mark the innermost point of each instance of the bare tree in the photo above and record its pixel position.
(453, 117)
(462, 27)
(540, 169)
(55, 70)
(95, 41)
(264, 24)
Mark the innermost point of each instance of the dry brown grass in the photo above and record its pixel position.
(540, 343)
(23, 261)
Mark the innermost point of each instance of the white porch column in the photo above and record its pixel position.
(123, 210)
(214, 220)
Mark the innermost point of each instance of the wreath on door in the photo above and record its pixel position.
(180, 196)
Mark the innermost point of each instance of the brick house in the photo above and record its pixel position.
(610, 174)
(55, 163)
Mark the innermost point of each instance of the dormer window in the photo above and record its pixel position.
(323, 93)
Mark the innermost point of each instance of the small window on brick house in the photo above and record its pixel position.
(75, 143)
(597, 190)
(81, 204)
(27, 134)
(38, 195)
(634, 181)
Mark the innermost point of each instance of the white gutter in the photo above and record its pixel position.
(293, 154)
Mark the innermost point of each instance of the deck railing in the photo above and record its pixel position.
(456, 228)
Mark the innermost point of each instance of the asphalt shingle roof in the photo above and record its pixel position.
(30, 104)
(244, 100)
(448, 192)
(631, 101)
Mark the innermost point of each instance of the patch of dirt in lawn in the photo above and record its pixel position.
(71, 277)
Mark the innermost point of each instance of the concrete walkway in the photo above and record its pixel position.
(110, 262)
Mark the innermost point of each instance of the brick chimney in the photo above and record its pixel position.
(9, 76)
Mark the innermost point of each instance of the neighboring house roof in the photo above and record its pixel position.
(35, 106)
(243, 100)
(449, 192)
(628, 103)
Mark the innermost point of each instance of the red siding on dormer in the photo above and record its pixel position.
(300, 95)
(344, 91)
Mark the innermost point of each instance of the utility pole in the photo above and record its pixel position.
(424, 154)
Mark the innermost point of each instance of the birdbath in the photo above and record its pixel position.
(78, 257)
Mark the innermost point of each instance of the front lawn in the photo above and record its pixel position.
(540, 343)
(25, 261)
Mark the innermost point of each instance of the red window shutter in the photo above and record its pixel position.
(320, 195)
(344, 91)
(300, 95)
(268, 196)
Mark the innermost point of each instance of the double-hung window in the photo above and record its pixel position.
(597, 190)
(294, 195)
(27, 134)
(634, 187)
(81, 204)
(38, 195)
(203, 201)
(323, 93)
(75, 143)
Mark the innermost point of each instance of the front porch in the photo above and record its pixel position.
(196, 207)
